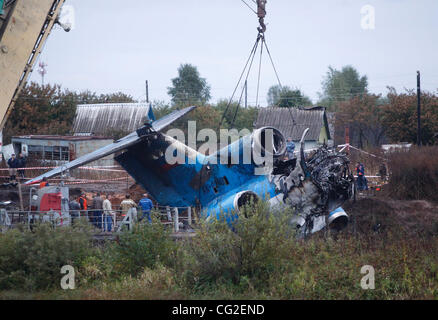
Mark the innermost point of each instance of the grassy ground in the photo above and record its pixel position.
(260, 259)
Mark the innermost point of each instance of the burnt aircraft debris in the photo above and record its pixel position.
(314, 187)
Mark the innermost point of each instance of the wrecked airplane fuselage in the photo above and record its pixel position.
(222, 182)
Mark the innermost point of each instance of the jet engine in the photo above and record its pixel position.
(231, 206)
(269, 141)
(244, 198)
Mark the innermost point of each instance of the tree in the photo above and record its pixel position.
(41, 110)
(341, 86)
(189, 88)
(400, 116)
(245, 117)
(285, 97)
(49, 109)
(89, 97)
(363, 116)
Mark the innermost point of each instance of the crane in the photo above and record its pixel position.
(24, 28)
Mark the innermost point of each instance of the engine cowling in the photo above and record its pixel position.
(338, 219)
(231, 206)
(270, 141)
(244, 198)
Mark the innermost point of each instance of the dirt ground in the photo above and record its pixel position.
(381, 214)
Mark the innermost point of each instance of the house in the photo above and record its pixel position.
(56, 150)
(92, 127)
(106, 119)
(293, 121)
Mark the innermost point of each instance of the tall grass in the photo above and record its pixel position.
(257, 258)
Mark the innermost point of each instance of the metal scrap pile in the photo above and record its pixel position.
(313, 187)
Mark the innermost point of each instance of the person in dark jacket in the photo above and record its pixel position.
(74, 208)
(97, 210)
(13, 164)
(361, 179)
(22, 164)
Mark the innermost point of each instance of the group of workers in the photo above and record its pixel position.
(100, 212)
(16, 165)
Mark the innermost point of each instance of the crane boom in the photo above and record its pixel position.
(24, 28)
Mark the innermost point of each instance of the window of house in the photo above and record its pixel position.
(48, 153)
(56, 153)
(35, 152)
(65, 154)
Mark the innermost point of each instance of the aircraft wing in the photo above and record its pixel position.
(119, 145)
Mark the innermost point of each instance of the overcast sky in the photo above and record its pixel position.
(116, 45)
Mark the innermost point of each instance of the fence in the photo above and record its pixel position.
(178, 218)
(84, 173)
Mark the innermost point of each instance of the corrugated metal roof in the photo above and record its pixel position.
(293, 121)
(101, 118)
(64, 138)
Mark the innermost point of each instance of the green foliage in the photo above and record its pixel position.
(286, 97)
(33, 260)
(363, 116)
(144, 247)
(400, 117)
(258, 258)
(247, 252)
(189, 88)
(342, 86)
(161, 109)
(49, 109)
(245, 117)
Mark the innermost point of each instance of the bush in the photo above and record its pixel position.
(243, 255)
(142, 248)
(414, 174)
(33, 260)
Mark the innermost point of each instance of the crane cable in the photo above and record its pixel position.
(261, 37)
(260, 70)
(278, 78)
(246, 79)
(249, 6)
(250, 58)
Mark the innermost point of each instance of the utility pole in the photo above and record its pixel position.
(418, 108)
(347, 139)
(246, 94)
(147, 91)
